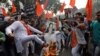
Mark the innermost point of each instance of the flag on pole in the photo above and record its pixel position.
(89, 10)
(72, 3)
(4, 12)
(13, 8)
(39, 9)
(62, 7)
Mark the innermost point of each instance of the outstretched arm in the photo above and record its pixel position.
(35, 30)
(12, 27)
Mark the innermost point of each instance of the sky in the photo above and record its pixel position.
(79, 3)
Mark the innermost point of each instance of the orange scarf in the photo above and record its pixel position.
(29, 32)
(73, 40)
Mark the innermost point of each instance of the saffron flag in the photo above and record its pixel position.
(13, 8)
(62, 7)
(4, 12)
(39, 9)
(89, 10)
(72, 3)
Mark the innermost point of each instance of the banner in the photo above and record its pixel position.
(62, 7)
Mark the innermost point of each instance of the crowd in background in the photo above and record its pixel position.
(77, 34)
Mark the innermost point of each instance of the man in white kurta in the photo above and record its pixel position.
(21, 37)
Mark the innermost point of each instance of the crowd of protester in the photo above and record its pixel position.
(23, 36)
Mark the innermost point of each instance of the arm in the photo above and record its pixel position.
(35, 30)
(12, 27)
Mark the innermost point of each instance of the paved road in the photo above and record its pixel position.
(68, 51)
(65, 52)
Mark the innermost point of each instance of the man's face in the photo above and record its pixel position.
(77, 16)
(98, 15)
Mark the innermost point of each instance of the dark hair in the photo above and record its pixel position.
(79, 13)
(23, 17)
(98, 13)
(74, 23)
(82, 19)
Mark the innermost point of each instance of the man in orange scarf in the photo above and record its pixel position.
(21, 35)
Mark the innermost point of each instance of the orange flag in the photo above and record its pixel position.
(39, 9)
(4, 12)
(72, 3)
(13, 8)
(45, 4)
(62, 7)
(89, 10)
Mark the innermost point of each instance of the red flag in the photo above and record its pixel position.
(39, 9)
(29, 32)
(4, 12)
(45, 4)
(13, 8)
(89, 10)
(72, 3)
(62, 7)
